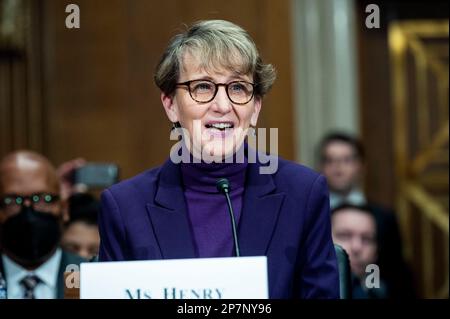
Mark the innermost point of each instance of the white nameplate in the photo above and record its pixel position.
(199, 278)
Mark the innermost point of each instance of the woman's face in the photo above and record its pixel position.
(216, 128)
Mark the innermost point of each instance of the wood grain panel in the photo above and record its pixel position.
(100, 99)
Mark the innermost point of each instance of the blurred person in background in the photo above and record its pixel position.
(354, 228)
(66, 173)
(342, 163)
(341, 160)
(31, 217)
(81, 235)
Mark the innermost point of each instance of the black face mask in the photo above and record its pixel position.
(30, 237)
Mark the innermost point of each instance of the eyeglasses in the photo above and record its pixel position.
(204, 91)
(13, 203)
(345, 160)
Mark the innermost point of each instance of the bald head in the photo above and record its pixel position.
(26, 173)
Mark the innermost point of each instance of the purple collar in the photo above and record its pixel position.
(202, 177)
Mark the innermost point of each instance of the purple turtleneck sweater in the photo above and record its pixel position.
(207, 208)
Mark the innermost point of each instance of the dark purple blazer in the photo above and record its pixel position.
(285, 216)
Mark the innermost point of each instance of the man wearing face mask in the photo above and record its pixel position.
(31, 218)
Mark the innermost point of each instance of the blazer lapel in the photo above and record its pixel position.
(168, 215)
(60, 280)
(261, 207)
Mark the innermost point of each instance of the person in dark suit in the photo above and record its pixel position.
(80, 234)
(354, 229)
(342, 162)
(31, 218)
(212, 82)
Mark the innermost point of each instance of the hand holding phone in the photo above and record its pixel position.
(97, 175)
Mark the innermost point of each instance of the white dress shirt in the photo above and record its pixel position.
(47, 273)
(355, 197)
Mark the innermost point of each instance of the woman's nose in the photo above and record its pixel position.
(221, 103)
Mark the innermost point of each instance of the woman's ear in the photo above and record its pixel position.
(170, 106)
(256, 110)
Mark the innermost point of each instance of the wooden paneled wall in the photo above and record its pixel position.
(376, 118)
(96, 87)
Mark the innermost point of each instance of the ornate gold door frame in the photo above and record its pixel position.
(419, 64)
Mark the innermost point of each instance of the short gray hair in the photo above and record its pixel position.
(217, 43)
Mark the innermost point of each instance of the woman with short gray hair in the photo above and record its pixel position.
(214, 202)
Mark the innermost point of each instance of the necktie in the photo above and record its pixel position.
(29, 283)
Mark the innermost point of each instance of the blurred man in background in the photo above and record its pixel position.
(31, 217)
(342, 163)
(65, 173)
(354, 228)
(81, 231)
